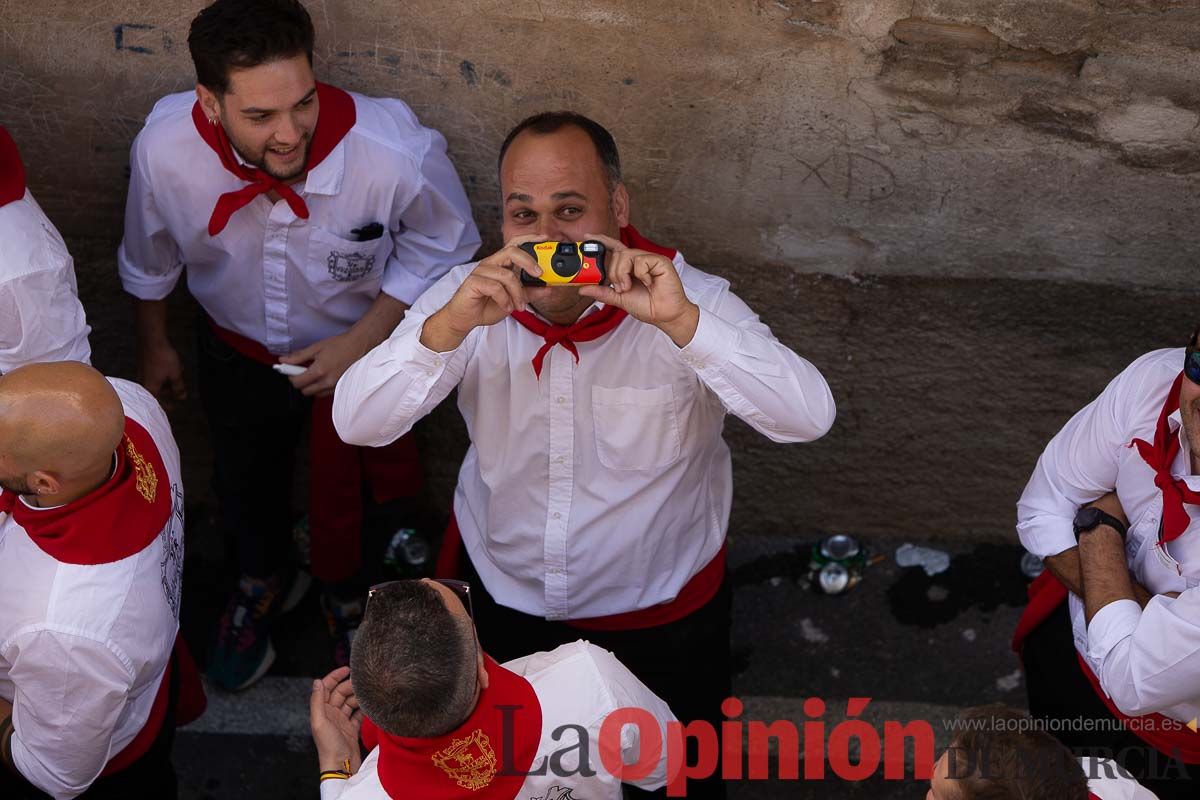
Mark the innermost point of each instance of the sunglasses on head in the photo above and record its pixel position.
(1191, 359)
(460, 588)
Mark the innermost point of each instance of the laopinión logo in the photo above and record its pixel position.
(854, 748)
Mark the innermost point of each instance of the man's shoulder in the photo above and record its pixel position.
(387, 127)
(579, 663)
(24, 229)
(1151, 373)
(142, 407)
(169, 128)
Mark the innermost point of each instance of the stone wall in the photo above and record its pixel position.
(969, 214)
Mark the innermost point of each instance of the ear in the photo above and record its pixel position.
(483, 675)
(210, 103)
(42, 482)
(620, 205)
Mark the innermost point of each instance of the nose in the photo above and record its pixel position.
(550, 231)
(288, 132)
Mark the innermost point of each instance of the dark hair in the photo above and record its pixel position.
(413, 663)
(999, 754)
(236, 34)
(552, 121)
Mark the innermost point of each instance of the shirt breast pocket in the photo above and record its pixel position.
(336, 265)
(636, 429)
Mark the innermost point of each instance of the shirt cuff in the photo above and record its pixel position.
(712, 345)
(1108, 627)
(405, 285)
(332, 789)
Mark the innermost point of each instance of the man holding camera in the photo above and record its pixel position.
(308, 219)
(595, 495)
(1123, 653)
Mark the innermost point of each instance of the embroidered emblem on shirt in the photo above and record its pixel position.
(470, 762)
(349, 266)
(147, 481)
(557, 793)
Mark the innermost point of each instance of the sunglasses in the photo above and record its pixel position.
(1191, 359)
(461, 589)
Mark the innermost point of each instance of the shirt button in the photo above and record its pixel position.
(559, 460)
(557, 515)
(561, 399)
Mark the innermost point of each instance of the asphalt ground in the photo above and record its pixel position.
(918, 646)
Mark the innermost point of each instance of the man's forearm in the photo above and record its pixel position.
(151, 322)
(1065, 566)
(380, 320)
(1105, 573)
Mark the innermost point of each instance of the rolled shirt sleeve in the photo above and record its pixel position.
(436, 230)
(1078, 465)
(70, 692)
(1147, 659)
(43, 320)
(148, 260)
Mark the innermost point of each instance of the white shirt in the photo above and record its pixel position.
(1147, 660)
(605, 486)
(41, 318)
(576, 684)
(83, 648)
(1108, 781)
(270, 275)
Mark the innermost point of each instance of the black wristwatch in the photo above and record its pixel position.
(1089, 518)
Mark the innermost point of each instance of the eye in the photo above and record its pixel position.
(308, 101)
(570, 211)
(259, 118)
(523, 215)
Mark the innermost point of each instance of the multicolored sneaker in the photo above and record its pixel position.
(243, 651)
(343, 618)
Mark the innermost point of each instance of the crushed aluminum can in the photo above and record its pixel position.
(833, 578)
(836, 564)
(1031, 566)
(406, 551)
(931, 560)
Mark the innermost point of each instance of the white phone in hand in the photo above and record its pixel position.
(290, 370)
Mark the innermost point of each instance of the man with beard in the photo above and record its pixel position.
(41, 318)
(308, 219)
(596, 492)
(91, 562)
(1122, 654)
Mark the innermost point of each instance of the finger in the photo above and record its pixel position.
(496, 292)
(619, 266)
(642, 266)
(512, 258)
(302, 356)
(316, 703)
(335, 677)
(512, 284)
(604, 294)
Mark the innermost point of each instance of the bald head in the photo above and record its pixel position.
(59, 426)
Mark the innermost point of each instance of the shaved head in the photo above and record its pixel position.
(60, 424)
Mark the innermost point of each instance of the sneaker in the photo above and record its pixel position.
(243, 651)
(343, 618)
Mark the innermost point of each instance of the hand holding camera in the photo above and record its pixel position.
(647, 286)
(489, 294)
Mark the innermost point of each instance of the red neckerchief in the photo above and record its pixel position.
(593, 326)
(1160, 456)
(12, 171)
(469, 762)
(114, 522)
(336, 118)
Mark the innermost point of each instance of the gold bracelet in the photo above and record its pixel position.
(334, 775)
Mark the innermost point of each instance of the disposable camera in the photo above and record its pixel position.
(566, 263)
